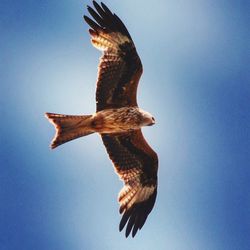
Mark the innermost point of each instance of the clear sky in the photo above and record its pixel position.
(196, 83)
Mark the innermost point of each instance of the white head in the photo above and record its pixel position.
(147, 118)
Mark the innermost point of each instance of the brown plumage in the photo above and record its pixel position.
(118, 119)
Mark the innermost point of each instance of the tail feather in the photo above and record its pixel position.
(69, 127)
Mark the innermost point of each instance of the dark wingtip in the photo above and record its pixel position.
(106, 9)
(134, 233)
(92, 32)
(128, 230)
(121, 209)
(122, 224)
(96, 5)
(91, 23)
(85, 17)
(127, 235)
(135, 228)
(124, 220)
(136, 216)
(89, 8)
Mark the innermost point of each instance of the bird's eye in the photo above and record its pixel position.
(153, 118)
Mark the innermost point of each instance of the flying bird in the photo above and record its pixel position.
(118, 119)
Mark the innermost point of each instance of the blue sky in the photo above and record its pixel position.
(195, 82)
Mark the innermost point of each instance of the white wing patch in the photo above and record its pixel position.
(135, 193)
(104, 41)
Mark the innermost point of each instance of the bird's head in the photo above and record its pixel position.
(147, 118)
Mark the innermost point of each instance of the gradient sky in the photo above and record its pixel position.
(195, 82)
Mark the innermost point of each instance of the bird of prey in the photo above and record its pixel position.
(118, 119)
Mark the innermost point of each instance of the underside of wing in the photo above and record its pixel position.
(136, 164)
(120, 67)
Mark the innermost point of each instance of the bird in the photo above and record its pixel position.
(118, 118)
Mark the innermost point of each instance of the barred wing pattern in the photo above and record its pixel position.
(120, 67)
(119, 72)
(136, 164)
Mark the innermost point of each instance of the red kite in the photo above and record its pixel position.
(118, 119)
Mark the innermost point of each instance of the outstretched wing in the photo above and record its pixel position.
(136, 164)
(120, 67)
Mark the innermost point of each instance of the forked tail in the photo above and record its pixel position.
(69, 127)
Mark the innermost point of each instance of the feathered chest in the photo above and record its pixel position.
(118, 120)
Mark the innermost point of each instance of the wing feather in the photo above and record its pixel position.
(136, 164)
(119, 72)
(96, 16)
(120, 67)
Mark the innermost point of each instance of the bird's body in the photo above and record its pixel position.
(118, 119)
(107, 121)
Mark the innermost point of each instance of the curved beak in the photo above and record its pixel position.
(152, 123)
